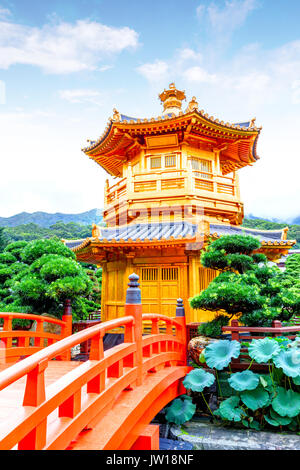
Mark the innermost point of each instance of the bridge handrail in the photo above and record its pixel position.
(20, 369)
(105, 375)
(31, 316)
(159, 317)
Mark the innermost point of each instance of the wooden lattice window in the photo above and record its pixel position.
(202, 165)
(155, 162)
(149, 274)
(170, 161)
(169, 274)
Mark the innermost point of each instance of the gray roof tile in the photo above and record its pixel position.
(166, 230)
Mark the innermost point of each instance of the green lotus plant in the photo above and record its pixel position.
(255, 399)
(219, 355)
(245, 380)
(286, 403)
(276, 420)
(296, 380)
(197, 380)
(289, 362)
(261, 400)
(181, 410)
(258, 400)
(263, 350)
(230, 409)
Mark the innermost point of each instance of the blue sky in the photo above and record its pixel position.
(64, 66)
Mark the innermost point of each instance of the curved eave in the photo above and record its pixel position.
(147, 125)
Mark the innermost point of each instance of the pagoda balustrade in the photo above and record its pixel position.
(166, 182)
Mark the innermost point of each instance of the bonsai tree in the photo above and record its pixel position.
(247, 287)
(40, 275)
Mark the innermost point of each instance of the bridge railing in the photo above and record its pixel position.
(17, 343)
(79, 398)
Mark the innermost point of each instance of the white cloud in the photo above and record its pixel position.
(187, 54)
(83, 96)
(224, 21)
(62, 47)
(198, 74)
(232, 16)
(155, 72)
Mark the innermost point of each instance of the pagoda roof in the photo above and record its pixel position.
(237, 142)
(174, 233)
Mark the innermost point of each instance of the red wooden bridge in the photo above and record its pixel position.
(49, 402)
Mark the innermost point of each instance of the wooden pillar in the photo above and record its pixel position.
(104, 291)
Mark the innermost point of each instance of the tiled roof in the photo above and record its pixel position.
(174, 231)
(267, 235)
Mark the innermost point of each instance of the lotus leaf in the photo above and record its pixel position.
(271, 421)
(289, 362)
(229, 409)
(245, 380)
(286, 403)
(198, 379)
(255, 399)
(255, 425)
(180, 411)
(282, 420)
(262, 350)
(218, 355)
(296, 380)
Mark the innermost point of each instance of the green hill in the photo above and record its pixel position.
(44, 219)
(293, 233)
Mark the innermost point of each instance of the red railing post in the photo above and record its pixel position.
(133, 307)
(180, 317)
(235, 334)
(67, 328)
(276, 324)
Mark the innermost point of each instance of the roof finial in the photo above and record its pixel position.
(117, 115)
(172, 99)
(192, 105)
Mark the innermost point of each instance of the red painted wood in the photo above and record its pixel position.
(52, 416)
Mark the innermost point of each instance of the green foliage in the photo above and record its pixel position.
(213, 329)
(198, 379)
(40, 275)
(245, 380)
(263, 350)
(3, 240)
(218, 355)
(255, 399)
(59, 230)
(293, 233)
(267, 400)
(286, 402)
(16, 249)
(230, 410)
(181, 410)
(7, 258)
(247, 286)
(289, 362)
(38, 248)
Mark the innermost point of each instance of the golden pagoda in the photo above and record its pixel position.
(177, 188)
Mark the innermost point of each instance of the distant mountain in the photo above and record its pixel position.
(291, 220)
(44, 219)
(296, 220)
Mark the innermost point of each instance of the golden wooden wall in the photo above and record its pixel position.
(161, 282)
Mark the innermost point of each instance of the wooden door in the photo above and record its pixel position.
(160, 288)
